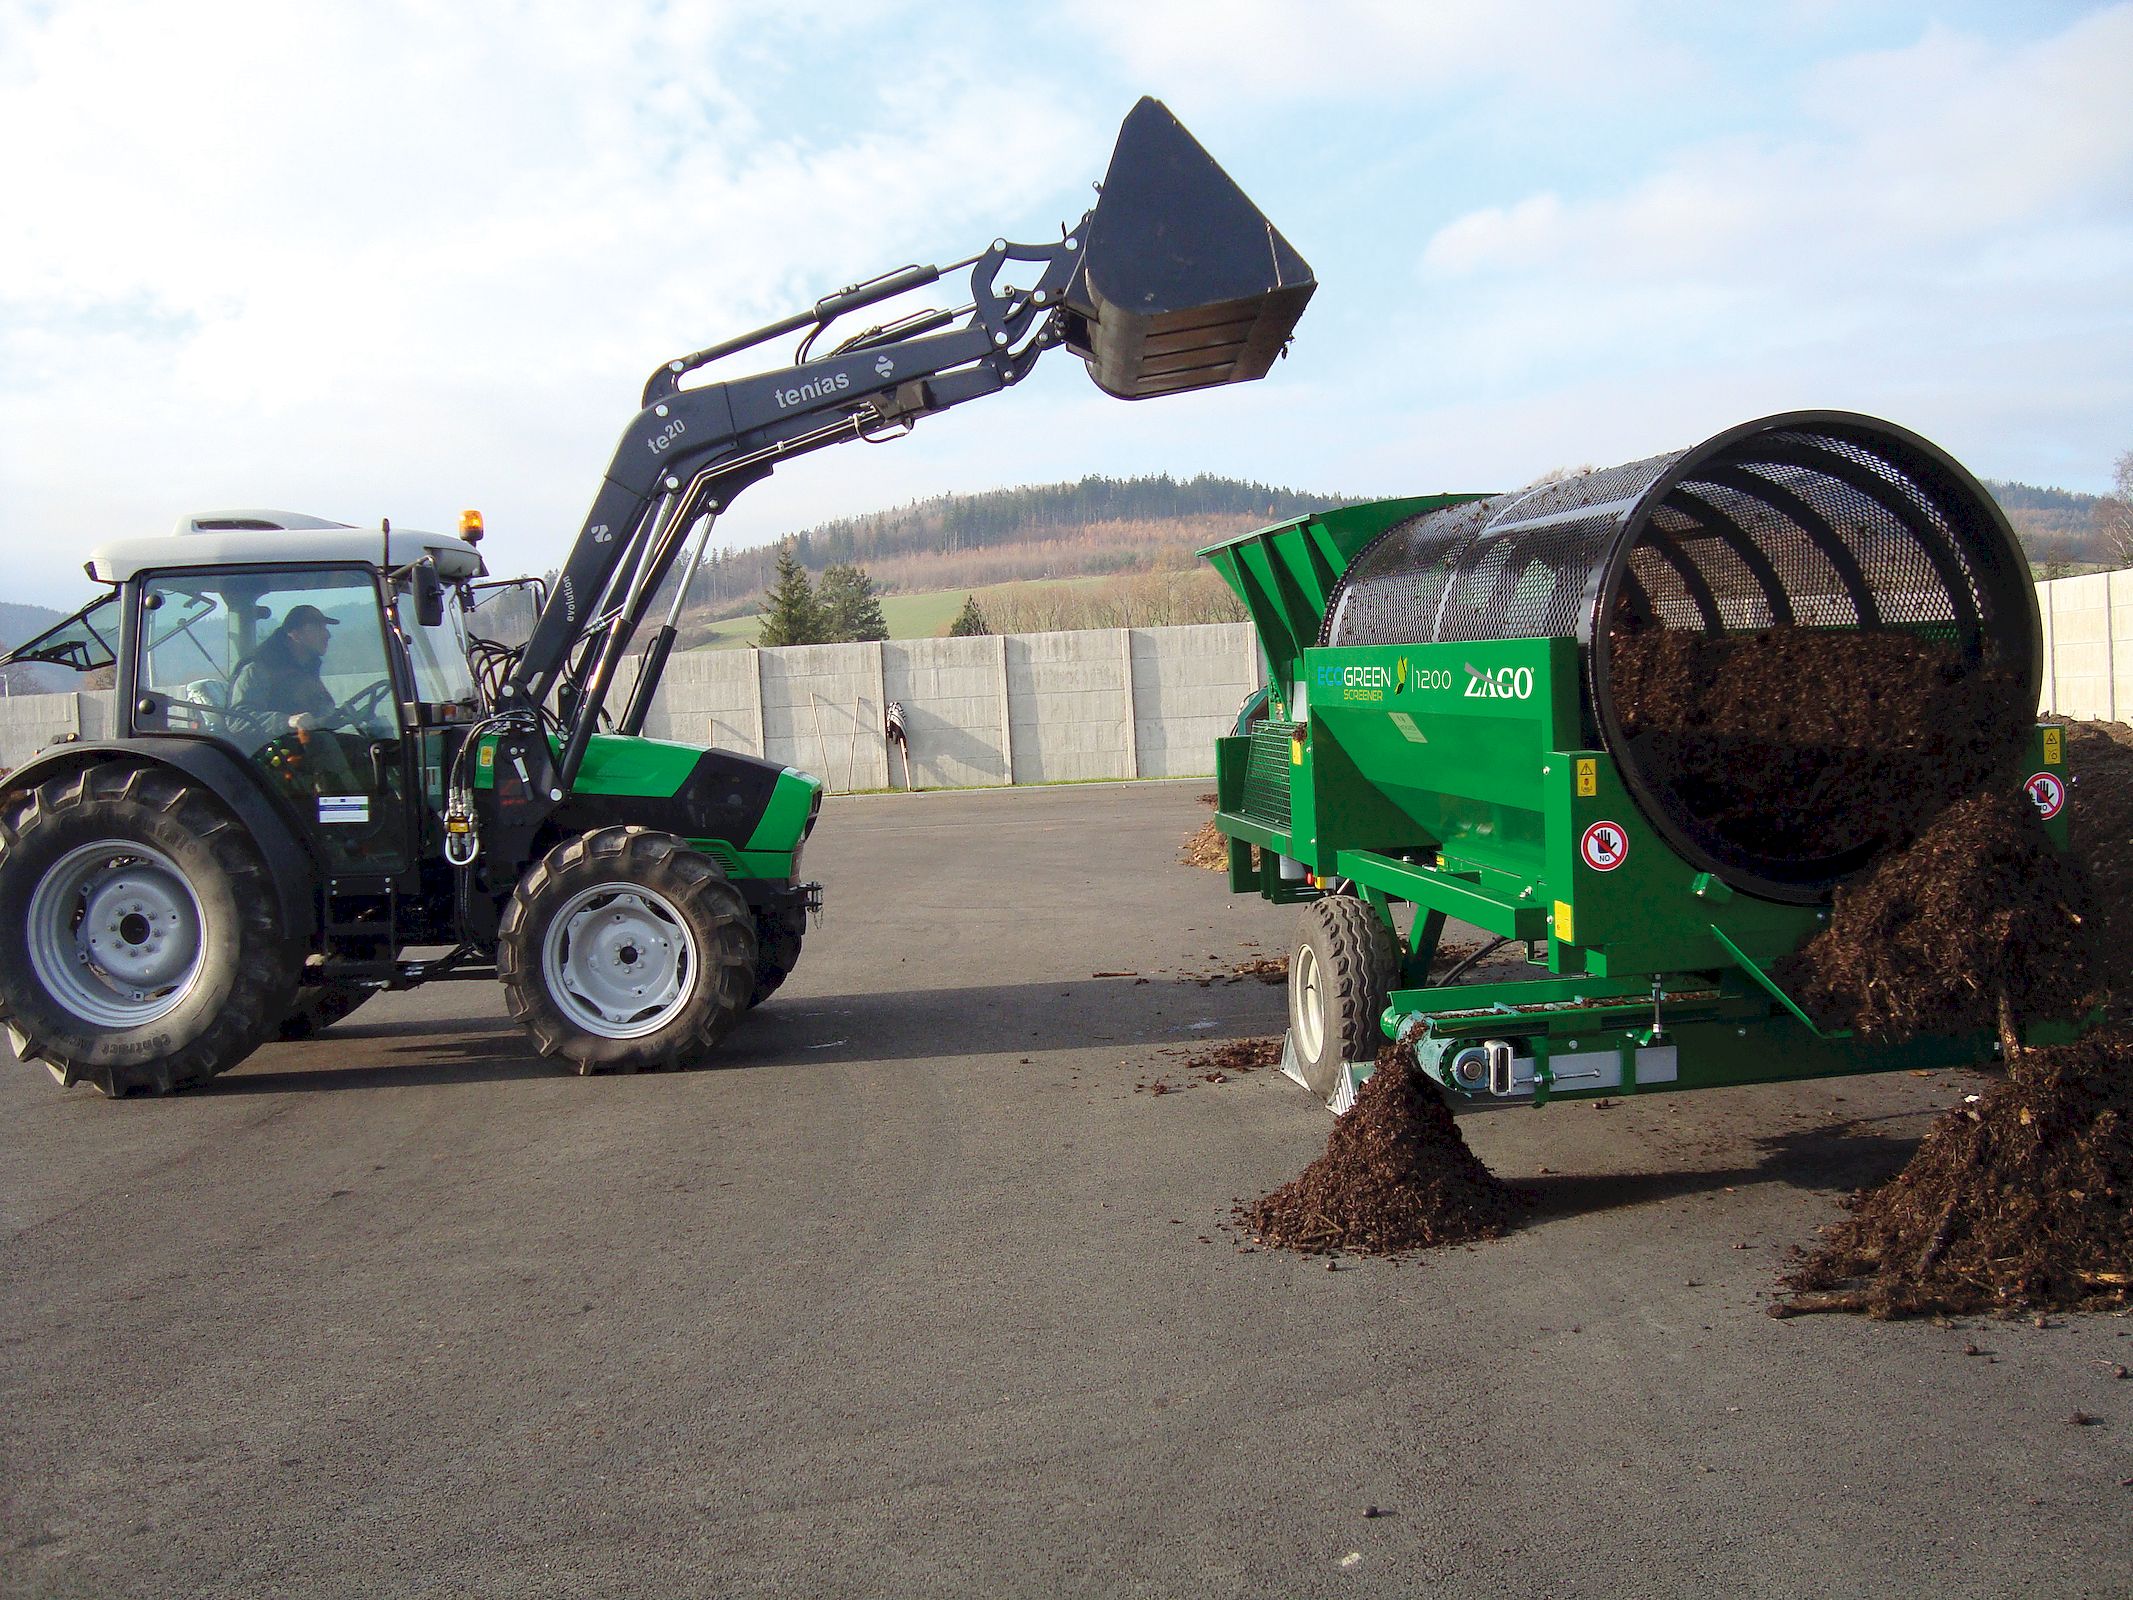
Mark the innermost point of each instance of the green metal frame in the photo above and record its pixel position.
(1461, 780)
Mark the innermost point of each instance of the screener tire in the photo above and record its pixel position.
(1342, 973)
(141, 942)
(778, 936)
(626, 951)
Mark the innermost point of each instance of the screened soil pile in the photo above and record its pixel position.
(1396, 1175)
(2019, 1201)
(2100, 829)
(1978, 909)
(1206, 846)
(1808, 743)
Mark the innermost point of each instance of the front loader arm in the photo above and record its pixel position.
(1173, 281)
(690, 450)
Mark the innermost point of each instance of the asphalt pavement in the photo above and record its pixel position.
(920, 1289)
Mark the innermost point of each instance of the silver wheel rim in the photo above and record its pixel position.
(115, 934)
(619, 961)
(1309, 979)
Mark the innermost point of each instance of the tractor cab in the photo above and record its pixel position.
(334, 658)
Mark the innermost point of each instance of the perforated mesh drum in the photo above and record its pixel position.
(1800, 638)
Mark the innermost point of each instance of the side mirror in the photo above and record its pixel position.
(429, 596)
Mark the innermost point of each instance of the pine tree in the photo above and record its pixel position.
(791, 614)
(970, 621)
(850, 605)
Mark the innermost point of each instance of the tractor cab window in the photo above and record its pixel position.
(258, 655)
(86, 641)
(442, 678)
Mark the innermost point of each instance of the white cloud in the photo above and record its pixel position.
(1935, 214)
(394, 259)
(1224, 50)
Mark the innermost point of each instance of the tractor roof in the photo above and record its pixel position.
(279, 538)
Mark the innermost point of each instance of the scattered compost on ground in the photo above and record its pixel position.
(1396, 1175)
(1236, 1057)
(1811, 743)
(2021, 1198)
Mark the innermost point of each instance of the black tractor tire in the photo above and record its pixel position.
(319, 1006)
(778, 936)
(624, 950)
(165, 864)
(1346, 964)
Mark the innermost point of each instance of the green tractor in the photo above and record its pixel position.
(337, 768)
(309, 783)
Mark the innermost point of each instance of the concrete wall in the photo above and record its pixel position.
(1032, 708)
(2088, 646)
(1057, 707)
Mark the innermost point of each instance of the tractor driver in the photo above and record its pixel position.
(279, 694)
(279, 685)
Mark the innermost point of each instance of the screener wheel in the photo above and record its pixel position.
(624, 950)
(141, 943)
(1339, 979)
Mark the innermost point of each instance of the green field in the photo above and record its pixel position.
(909, 616)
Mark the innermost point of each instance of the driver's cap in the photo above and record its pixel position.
(304, 616)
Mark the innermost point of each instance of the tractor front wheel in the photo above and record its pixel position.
(626, 951)
(778, 935)
(1342, 972)
(141, 944)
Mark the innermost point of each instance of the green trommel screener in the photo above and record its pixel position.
(1640, 721)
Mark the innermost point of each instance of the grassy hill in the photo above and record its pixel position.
(1032, 567)
(909, 616)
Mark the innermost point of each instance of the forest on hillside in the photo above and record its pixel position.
(1095, 527)
(1120, 527)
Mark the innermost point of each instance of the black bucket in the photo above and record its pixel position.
(1184, 283)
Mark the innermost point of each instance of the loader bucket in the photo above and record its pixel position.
(1184, 283)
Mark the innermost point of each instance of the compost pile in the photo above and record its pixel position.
(2021, 1198)
(1396, 1175)
(1206, 846)
(2101, 756)
(1980, 922)
(1810, 743)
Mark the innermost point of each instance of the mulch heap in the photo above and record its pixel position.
(1813, 742)
(1981, 925)
(2101, 756)
(2018, 1200)
(2021, 1198)
(1206, 846)
(1396, 1175)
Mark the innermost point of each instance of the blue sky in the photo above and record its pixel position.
(397, 258)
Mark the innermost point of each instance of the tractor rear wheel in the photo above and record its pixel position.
(141, 941)
(778, 936)
(626, 951)
(1344, 969)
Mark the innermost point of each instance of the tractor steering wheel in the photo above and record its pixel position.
(358, 706)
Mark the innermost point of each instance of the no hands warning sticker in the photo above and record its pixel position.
(1604, 847)
(2048, 789)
